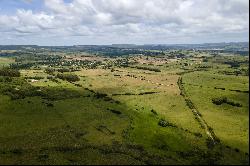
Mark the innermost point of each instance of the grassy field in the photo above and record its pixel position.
(230, 123)
(115, 116)
(4, 62)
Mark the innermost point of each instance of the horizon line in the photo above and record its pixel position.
(125, 44)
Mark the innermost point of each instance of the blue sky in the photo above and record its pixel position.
(11, 6)
(69, 22)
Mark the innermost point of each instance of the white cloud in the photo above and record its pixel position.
(136, 21)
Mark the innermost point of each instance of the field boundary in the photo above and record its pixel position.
(208, 130)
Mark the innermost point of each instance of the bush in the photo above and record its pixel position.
(237, 150)
(164, 123)
(198, 134)
(49, 77)
(78, 85)
(154, 112)
(50, 105)
(100, 95)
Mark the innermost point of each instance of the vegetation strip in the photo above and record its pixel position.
(135, 94)
(197, 114)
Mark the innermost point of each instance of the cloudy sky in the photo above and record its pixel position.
(70, 22)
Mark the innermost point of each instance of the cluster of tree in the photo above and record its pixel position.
(123, 51)
(68, 77)
(190, 104)
(180, 55)
(63, 70)
(52, 78)
(233, 64)
(153, 53)
(148, 68)
(243, 71)
(119, 52)
(221, 100)
(181, 87)
(21, 65)
(9, 72)
(26, 90)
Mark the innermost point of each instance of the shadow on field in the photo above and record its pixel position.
(94, 128)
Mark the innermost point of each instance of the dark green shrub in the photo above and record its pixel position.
(49, 77)
(114, 111)
(154, 112)
(100, 95)
(198, 134)
(190, 104)
(237, 150)
(50, 105)
(164, 123)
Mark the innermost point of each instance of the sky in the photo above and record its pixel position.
(87, 22)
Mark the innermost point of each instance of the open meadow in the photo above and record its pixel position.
(90, 109)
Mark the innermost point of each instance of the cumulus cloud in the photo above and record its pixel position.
(132, 21)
